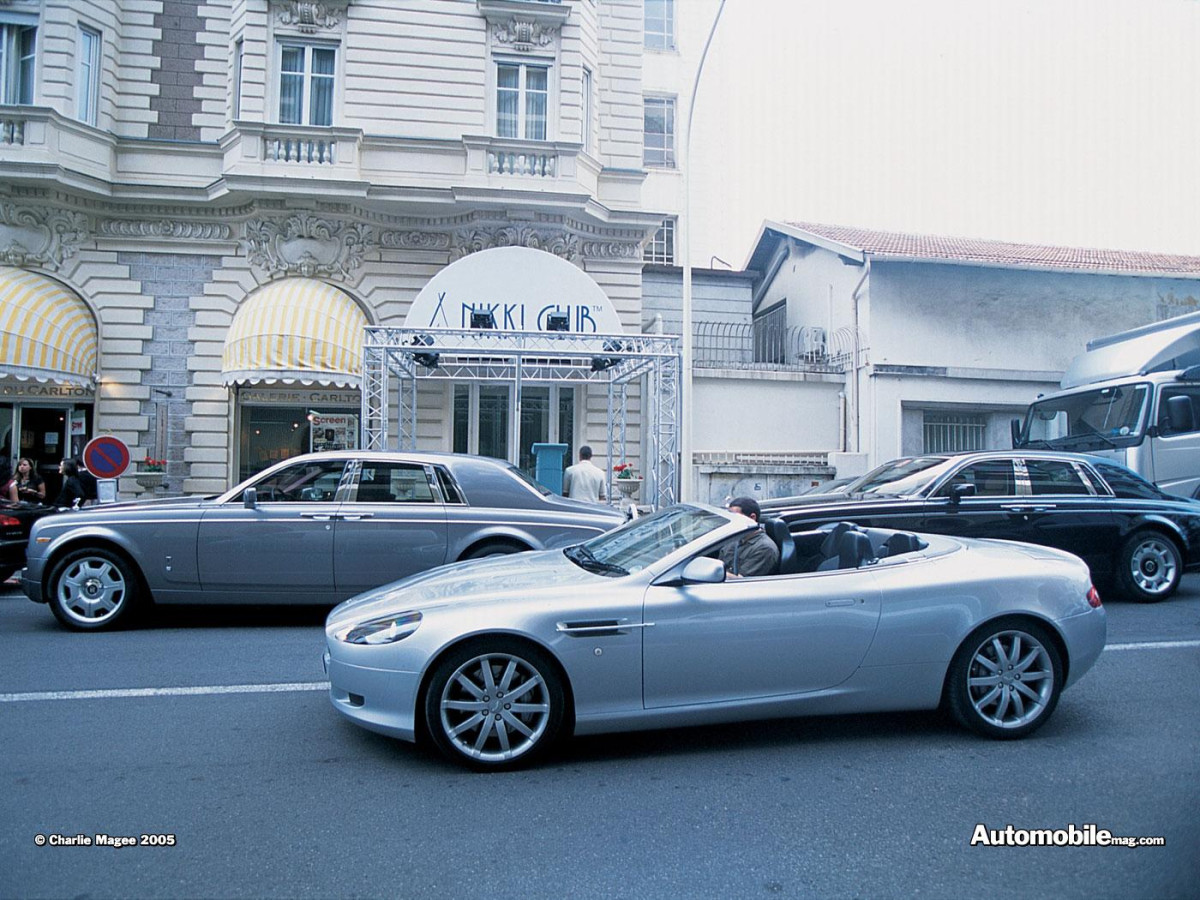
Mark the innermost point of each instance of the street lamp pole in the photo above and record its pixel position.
(686, 486)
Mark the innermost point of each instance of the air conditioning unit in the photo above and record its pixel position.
(812, 341)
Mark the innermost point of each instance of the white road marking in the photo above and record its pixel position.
(298, 686)
(203, 690)
(1153, 645)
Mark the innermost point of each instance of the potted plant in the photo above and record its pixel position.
(151, 472)
(628, 480)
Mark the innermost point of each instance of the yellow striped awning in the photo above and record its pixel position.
(46, 330)
(297, 329)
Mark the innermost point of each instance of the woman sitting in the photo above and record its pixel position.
(27, 484)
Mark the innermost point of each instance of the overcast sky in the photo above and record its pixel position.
(1069, 122)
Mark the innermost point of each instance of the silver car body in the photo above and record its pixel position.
(646, 650)
(329, 539)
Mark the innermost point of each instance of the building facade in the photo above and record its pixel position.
(222, 195)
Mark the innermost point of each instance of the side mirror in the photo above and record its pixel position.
(1014, 428)
(250, 498)
(703, 570)
(958, 491)
(1179, 414)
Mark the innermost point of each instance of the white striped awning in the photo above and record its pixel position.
(46, 330)
(295, 330)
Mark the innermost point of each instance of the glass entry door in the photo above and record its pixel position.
(484, 413)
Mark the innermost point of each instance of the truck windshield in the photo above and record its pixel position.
(1088, 420)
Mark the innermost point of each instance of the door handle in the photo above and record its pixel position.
(319, 517)
(844, 601)
(354, 517)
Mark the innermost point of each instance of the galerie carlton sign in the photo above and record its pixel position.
(521, 288)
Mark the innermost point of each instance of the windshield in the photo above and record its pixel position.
(645, 540)
(900, 477)
(1089, 420)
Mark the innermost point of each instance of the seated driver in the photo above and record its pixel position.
(754, 553)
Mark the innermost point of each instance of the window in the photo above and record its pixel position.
(393, 483)
(522, 97)
(992, 478)
(954, 432)
(661, 248)
(88, 82)
(18, 48)
(1052, 476)
(586, 112)
(306, 482)
(659, 133)
(239, 56)
(1127, 484)
(660, 24)
(306, 76)
(1188, 424)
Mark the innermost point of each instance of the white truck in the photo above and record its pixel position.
(1133, 397)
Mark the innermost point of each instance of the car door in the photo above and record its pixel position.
(282, 549)
(749, 638)
(1063, 510)
(995, 510)
(392, 524)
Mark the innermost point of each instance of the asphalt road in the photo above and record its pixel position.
(269, 793)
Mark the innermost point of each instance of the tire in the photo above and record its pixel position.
(1149, 567)
(93, 590)
(472, 722)
(1005, 679)
(493, 548)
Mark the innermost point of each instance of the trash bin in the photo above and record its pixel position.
(548, 465)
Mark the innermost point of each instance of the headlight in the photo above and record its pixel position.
(385, 630)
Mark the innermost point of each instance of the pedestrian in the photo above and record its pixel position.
(88, 482)
(584, 480)
(72, 494)
(27, 485)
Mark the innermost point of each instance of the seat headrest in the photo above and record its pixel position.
(776, 530)
(854, 549)
(831, 543)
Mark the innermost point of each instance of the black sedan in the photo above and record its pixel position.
(16, 519)
(1135, 538)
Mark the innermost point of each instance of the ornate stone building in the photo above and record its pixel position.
(204, 202)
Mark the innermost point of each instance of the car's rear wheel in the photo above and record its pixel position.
(93, 589)
(1005, 679)
(494, 704)
(1148, 567)
(493, 548)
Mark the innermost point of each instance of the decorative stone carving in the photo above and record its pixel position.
(309, 16)
(612, 249)
(414, 240)
(307, 245)
(44, 237)
(525, 35)
(166, 228)
(560, 243)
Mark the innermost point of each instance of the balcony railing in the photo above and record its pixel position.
(762, 345)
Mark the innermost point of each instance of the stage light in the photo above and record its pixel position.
(558, 322)
(484, 319)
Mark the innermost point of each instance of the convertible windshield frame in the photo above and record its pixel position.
(646, 541)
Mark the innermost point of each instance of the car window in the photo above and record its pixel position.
(307, 482)
(386, 482)
(1192, 392)
(1127, 484)
(1053, 476)
(991, 477)
(450, 491)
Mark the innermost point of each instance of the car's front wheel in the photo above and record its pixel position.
(1148, 567)
(93, 589)
(494, 704)
(1005, 680)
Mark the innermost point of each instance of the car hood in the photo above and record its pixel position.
(473, 581)
(106, 511)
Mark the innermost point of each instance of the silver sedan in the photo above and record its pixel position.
(493, 661)
(315, 529)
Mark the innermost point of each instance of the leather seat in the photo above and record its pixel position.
(853, 549)
(777, 531)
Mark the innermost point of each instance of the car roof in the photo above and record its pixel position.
(1007, 454)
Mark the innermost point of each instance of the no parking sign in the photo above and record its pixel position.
(106, 456)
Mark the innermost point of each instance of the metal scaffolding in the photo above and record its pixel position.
(404, 355)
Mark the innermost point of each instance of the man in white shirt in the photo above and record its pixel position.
(584, 480)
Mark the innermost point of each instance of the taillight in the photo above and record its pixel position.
(9, 521)
(1093, 597)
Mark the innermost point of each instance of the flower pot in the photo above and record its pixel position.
(628, 486)
(150, 480)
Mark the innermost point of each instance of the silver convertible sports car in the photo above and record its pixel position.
(314, 529)
(491, 661)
